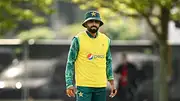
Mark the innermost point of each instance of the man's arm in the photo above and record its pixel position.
(109, 72)
(72, 55)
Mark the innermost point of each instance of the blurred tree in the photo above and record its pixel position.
(36, 33)
(118, 29)
(157, 13)
(13, 12)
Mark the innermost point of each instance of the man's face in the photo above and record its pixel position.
(93, 25)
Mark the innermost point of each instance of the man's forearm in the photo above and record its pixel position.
(69, 74)
(109, 69)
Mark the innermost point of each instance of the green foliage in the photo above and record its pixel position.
(141, 5)
(149, 9)
(37, 33)
(14, 11)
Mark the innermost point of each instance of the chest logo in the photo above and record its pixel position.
(90, 56)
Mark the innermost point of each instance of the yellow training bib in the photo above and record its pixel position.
(90, 65)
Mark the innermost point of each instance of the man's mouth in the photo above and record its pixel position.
(94, 27)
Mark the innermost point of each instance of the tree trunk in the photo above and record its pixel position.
(163, 95)
(163, 42)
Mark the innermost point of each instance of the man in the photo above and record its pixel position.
(90, 58)
(127, 81)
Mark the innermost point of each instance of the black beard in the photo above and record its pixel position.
(92, 30)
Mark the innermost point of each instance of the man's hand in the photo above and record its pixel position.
(70, 91)
(113, 89)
